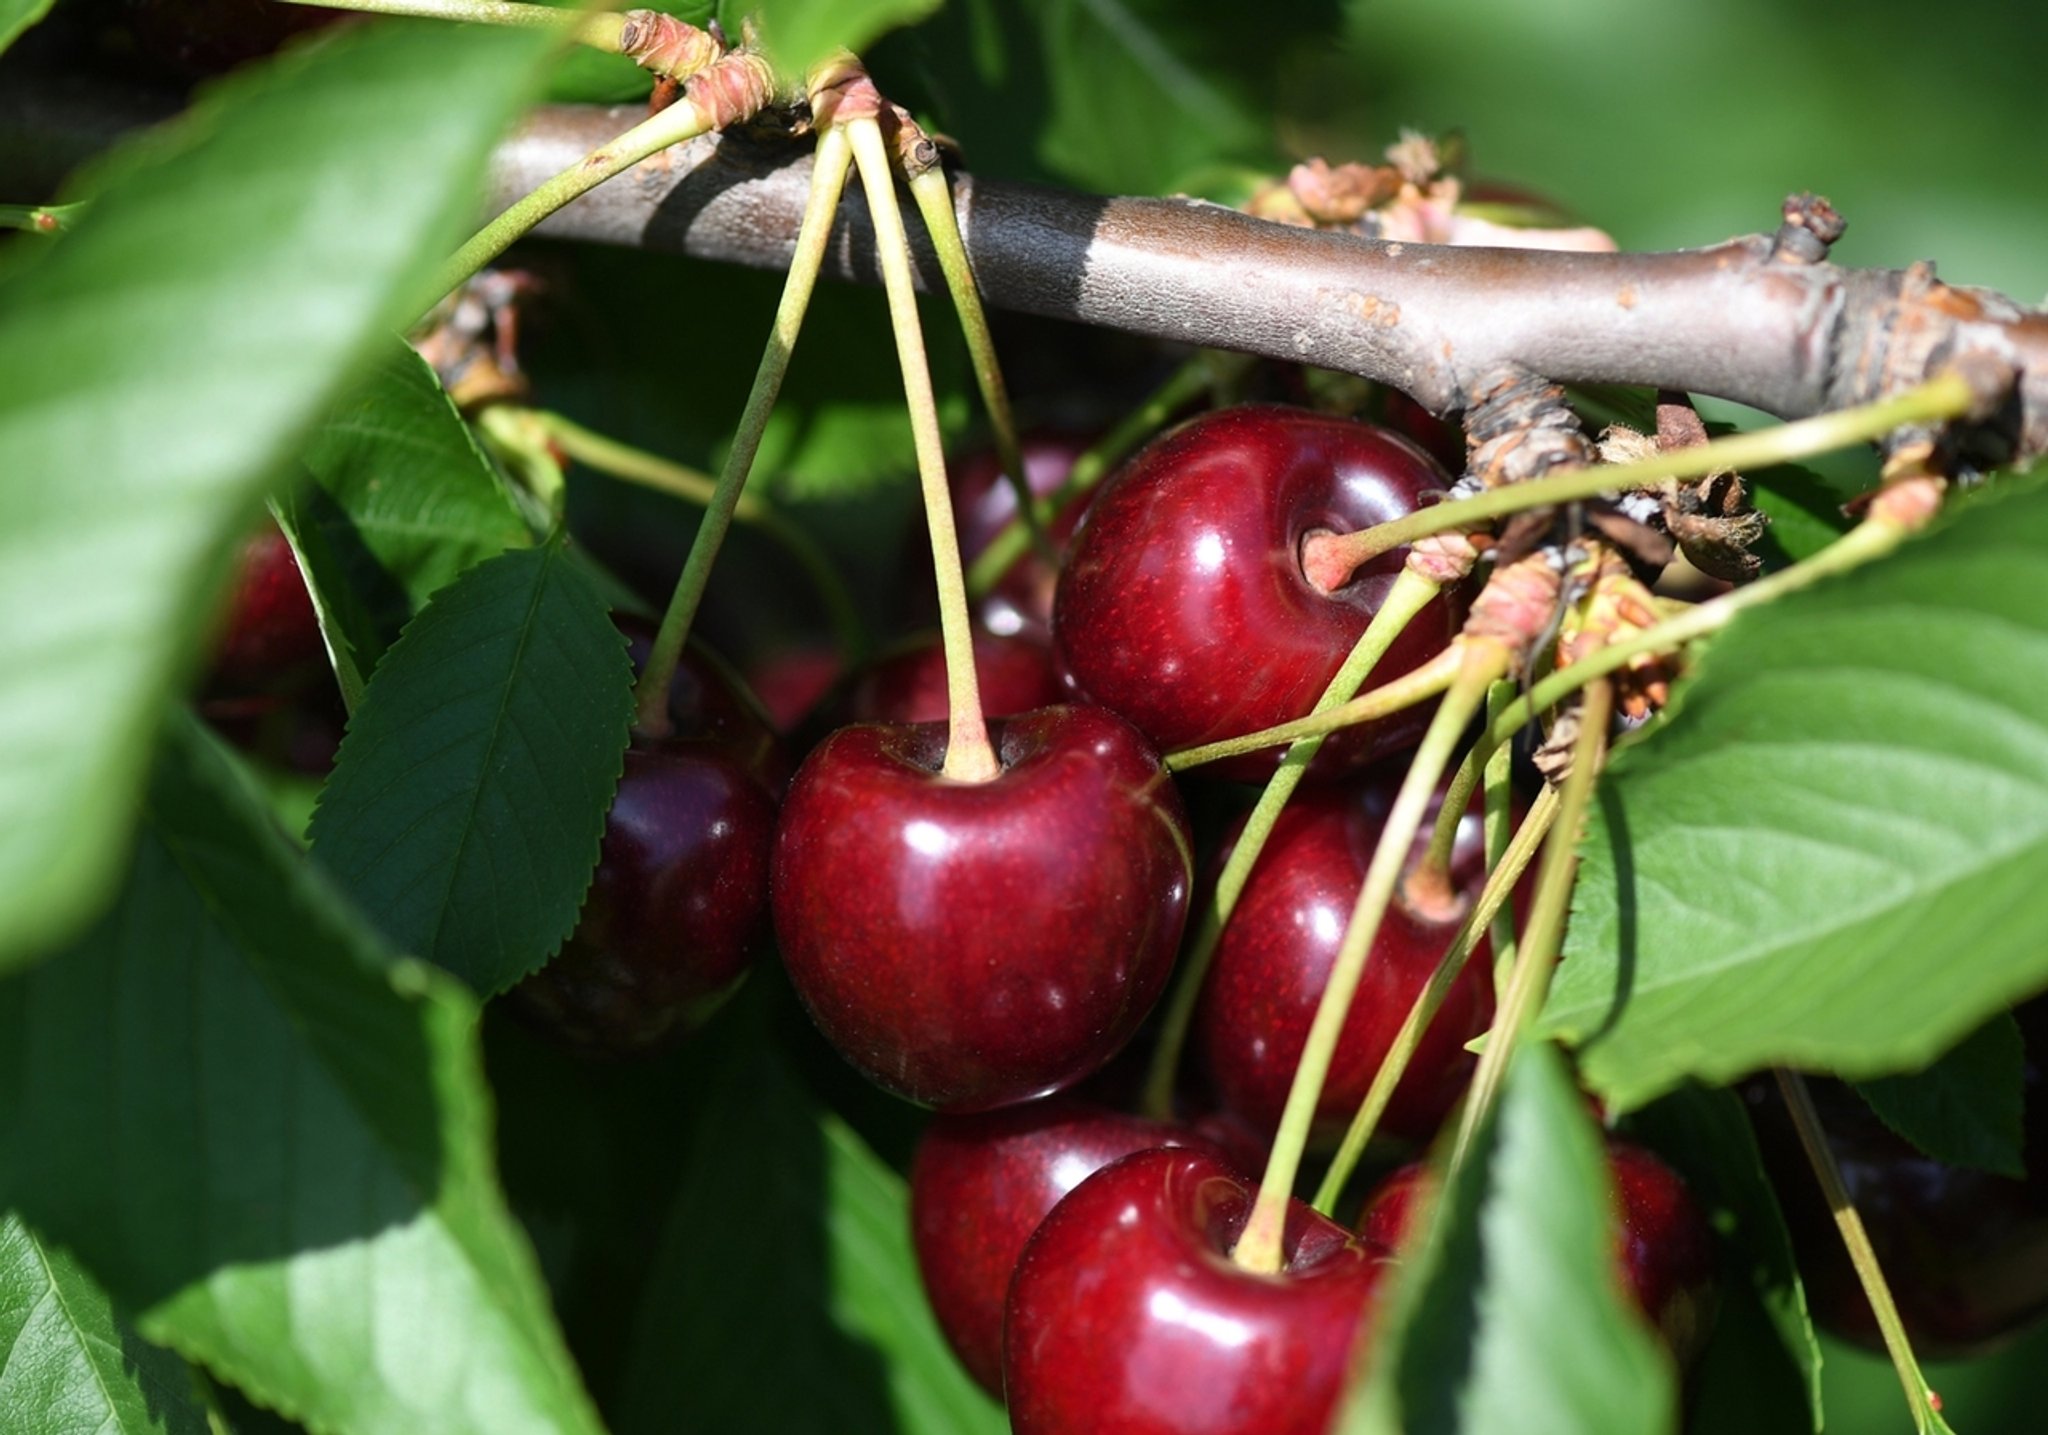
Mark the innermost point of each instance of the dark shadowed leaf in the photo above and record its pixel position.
(17, 15)
(154, 368)
(468, 798)
(1967, 1108)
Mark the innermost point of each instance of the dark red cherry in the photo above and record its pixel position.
(1274, 959)
(272, 639)
(1964, 1251)
(1664, 1249)
(1183, 604)
(709, 702)
(1127, 1316)
(970, 945)
(792, 681)
(979, 1187)
(676, 911)
(984, 502)
(908, 682)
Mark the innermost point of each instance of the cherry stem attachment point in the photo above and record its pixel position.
(1492, 903)
(1529, 981)
(1920, 1398)
(821, 207)
(970, 757)
(934, 195)
(1481, 662)
(609, 456)
(1409, 594)
(1946, 396)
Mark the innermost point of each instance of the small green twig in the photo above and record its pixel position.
(1418, 685)
(1500, 830)
(1920, 1397)
(821, 207)
(41, 218)
(1409, 594)
(1260, 1247)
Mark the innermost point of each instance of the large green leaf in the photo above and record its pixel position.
(154, 368)
(1968, 1108)
(469, 796)
(1831, 855)
(799, 33)
(269, 1139)
(1507, 1312)
(402, 502)
(72, 1366)
(786, 1223)
(17, 15)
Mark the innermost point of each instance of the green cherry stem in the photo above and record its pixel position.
(1259, 1249)
(934, 195)
(969, 755)
(1529, 981)
(1920, 1398)
(1492, 903)
(1418, 685)
(41, 218)
(606, 455)
(1946, 396)
(1408, 596)
(599, 30)
(1186, 384)
(1500, 830)
(821, 206)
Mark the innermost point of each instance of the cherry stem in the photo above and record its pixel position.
(1408, 596)
(1187, 383)
(821, 207)
(1492, 903)
(1428, 887)
(969, 755)
(599, 30)
(1945, 396)
(1806, 1120)
(1260, 1248)
(41, 218)
(683, 120)
(1500, 830)
(934, 196)
(619, 460)
(1418, 685)
(1529, 981)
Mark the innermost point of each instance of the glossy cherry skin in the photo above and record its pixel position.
(908, 682)
(709, 702)
(1274, 958)
(1183, 605)
(970, 945)
(677, 909)
(979, 1187)
(1663, 1246)
(1127, 1316)
(1964, 1251)
(272, 638)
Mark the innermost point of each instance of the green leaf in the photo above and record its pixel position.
(467, 801)
(1967, 1108)
(799, 33)
(1507, 1312)
(154, 369)
(1764, 1331)
(16, 16)
(828, 1271)
(1830, 856)
(72, 1365)
(403, 501)
(269, 1138)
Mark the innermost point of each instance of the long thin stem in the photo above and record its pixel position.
(1946, 396)
(1530, 980)
(1500, 829)
(934, 196)
(1493, 902)
(1186, 384)
(1408, 596)
(1418, 685)
(1260, 1247)
(969, 755)
(1920, 1397)
(634, 465)
(681, 121)
(599, 30)
(828, 179)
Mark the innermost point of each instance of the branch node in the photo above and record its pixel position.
(1810, 228)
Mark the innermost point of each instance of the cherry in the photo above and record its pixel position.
(979, 1187)
(1127, 1317)
(908, 682)
(677, 907)
(972, 944)
(1275, 955)
(791, 682)
(709, 702)
(1964, 1251)
(1664, 1249)
(1183, 604)
(984, 502)
(272, 638)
